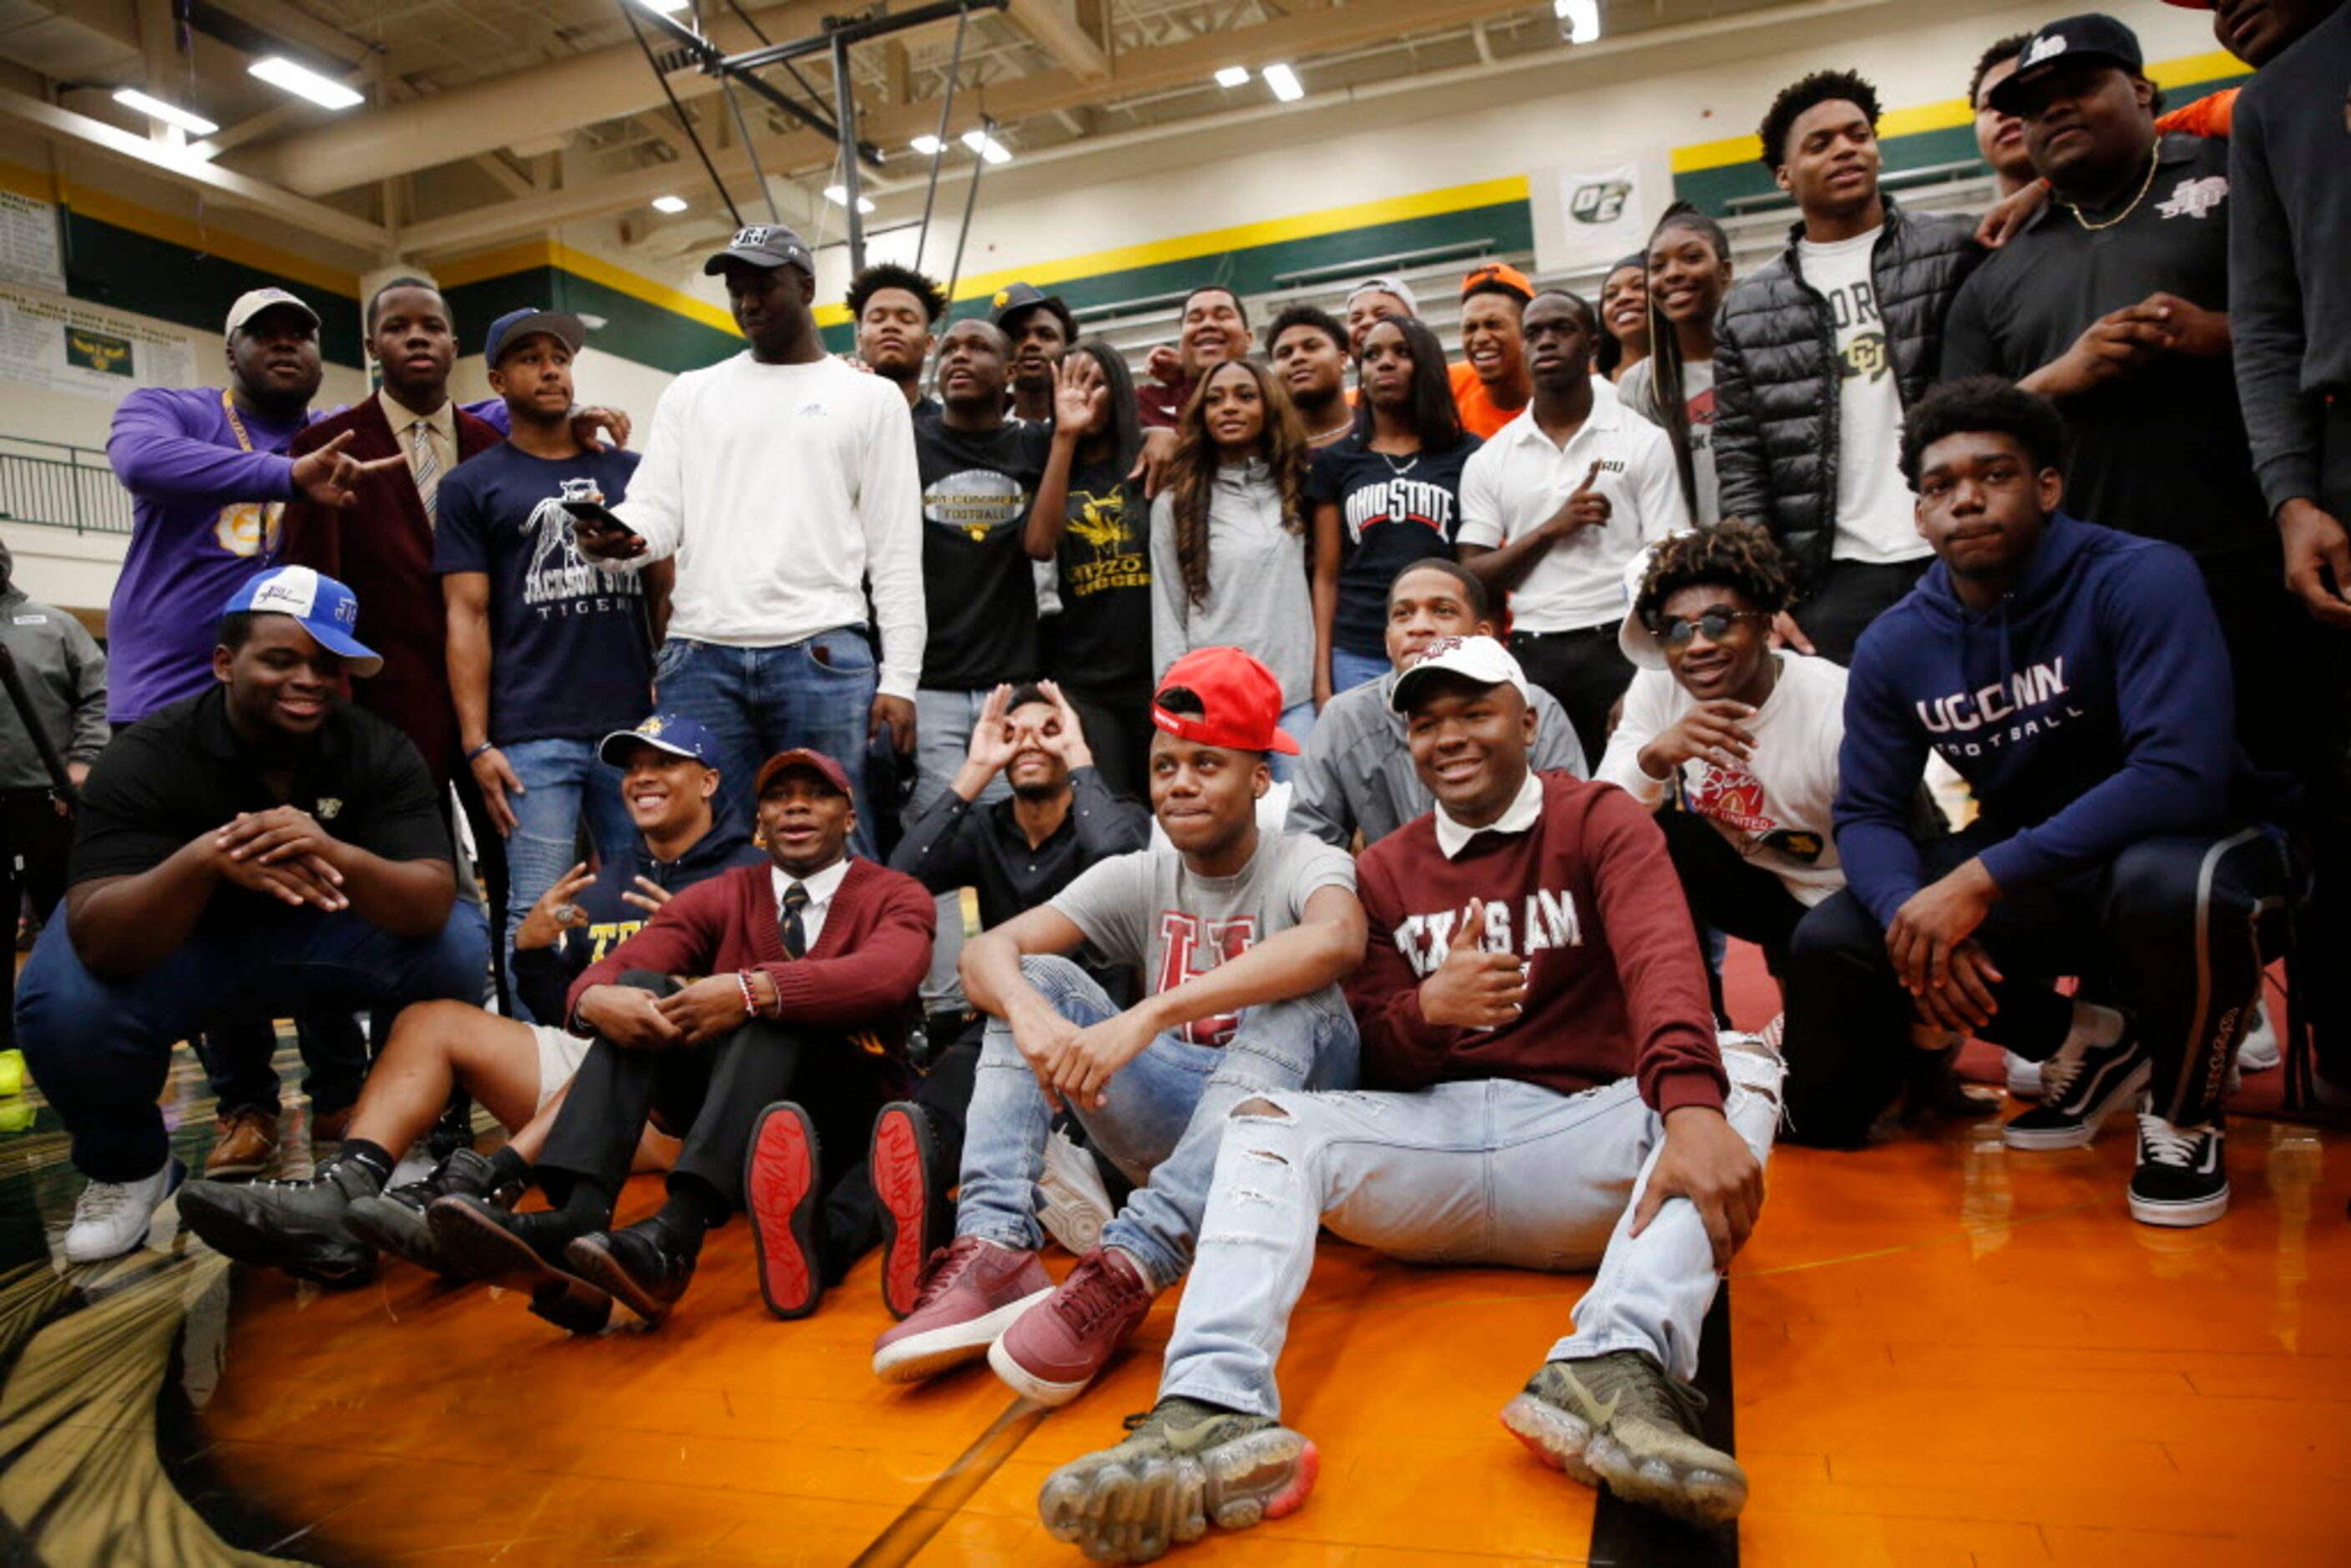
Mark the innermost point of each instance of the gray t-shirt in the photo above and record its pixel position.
(1146, 910)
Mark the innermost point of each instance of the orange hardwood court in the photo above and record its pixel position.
(1940, 1351)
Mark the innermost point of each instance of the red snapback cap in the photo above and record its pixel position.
(1241, 698)
(817, 762)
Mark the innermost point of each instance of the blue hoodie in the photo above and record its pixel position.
(544, 975)
(2089, 709)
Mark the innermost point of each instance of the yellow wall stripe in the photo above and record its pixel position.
(2215, 65)
(530, 254)
(91, 203)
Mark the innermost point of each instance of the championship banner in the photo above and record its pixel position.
(63, 345)
(31, 250)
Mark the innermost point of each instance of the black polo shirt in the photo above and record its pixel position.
(180, 772)
(2162, 453)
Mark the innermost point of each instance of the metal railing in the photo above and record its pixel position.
(60, 486)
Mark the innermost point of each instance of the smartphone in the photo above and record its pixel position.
(597, 512)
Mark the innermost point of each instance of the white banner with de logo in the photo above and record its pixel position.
(1586, 217)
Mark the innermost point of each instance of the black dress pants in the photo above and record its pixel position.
(1849, 595)
(1584, 671)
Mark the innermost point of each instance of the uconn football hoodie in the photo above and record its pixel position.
(2089, 709)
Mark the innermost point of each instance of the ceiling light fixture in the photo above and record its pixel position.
(1285, 83)
(988, 146)
(838, 196)
(927, 146)
(171, 114)
(1581, 18)
(1233, 76)
(304, 82)
(665, 7)
(669, 203)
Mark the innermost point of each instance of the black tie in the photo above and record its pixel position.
(796, 899)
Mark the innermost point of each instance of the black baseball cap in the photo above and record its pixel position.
(769, 246)
(1018, 299)
(2093, 36)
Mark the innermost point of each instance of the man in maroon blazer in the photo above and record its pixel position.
(792, 1043)
(381, 543)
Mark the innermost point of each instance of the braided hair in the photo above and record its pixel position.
(1666, 347)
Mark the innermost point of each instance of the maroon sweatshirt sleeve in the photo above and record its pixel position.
(1658, 961)
(682, 938)
(1401, 1050)
(888, 955)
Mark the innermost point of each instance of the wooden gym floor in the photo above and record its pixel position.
(1939, 1352)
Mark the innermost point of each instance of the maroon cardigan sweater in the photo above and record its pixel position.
(1589, 898)
(381, 548)
(867, 963)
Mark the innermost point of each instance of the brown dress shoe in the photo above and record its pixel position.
(331, 1127)
(247, 1141)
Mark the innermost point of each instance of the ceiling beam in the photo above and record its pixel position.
(1062, 37)
(229, 187)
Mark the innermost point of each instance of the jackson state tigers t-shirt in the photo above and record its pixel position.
(571, 646)
(1146, 910)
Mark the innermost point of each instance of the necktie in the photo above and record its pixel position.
(427, 470)
(795, 934)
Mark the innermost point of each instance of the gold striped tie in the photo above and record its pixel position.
(427, 470)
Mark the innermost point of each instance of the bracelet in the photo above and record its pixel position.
(750, 1000)
(485, 745)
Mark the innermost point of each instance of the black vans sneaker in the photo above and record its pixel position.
(2182, 1179)
(2080, 1087)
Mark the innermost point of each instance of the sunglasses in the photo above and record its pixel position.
(1675, 632)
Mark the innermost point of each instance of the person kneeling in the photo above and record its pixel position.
(2075, 678)
(792, 1045)
(1243, 938)
(331, 1228)
(259, 846)
(1537, 1046)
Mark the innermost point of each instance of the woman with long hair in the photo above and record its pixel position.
(1689, 272)
(1386, 496)
(1623, 318)
(1092, 520)
(1228, 537)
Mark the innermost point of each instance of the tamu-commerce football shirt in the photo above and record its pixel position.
(1876, 513)
(571, 646)
(1393, 511)
(978, 583)
(1148, 910)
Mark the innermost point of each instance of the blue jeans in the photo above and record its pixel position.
(1300, 722)
(561, 781)
(1166, 1117)
(1349, 671)
(760, 701)
(1492, 1171)
(101, 1050)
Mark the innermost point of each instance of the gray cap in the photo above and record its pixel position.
(769, 246)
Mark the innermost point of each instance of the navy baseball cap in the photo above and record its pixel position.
(2093, 36)
(326, 608)
(664, 732)
(770, 245)
(516, 325)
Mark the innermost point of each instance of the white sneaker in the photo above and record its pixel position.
(2259, 1053)
(2024, 1076)
(1077, 1205)
(111, 1217)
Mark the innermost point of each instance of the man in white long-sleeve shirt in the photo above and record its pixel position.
(783, 481)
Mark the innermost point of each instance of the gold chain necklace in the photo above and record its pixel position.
(2153, 158)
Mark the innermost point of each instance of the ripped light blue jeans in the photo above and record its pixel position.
(1167, 1112)
(1496, 1171)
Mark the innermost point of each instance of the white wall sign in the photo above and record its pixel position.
(63, 345)
(31, 251)
(1588, 217)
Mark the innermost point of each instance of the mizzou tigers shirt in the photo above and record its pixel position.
(1150, 911)
(571, 646)
(1102, 638)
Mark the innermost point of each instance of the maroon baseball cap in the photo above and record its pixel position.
(1241, 699)
(816, 762)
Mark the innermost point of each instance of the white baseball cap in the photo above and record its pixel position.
(1479, 660)
(255, 302)
(1395, 286)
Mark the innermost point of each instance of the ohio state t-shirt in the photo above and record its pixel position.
(1393, 511)
(1146, 910)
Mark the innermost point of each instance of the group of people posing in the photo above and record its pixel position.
(1353, 784)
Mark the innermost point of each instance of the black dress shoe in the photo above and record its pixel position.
(479, 1240)
(641, 1267)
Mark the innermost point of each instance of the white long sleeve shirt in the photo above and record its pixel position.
(780, 489)
(1775, 810)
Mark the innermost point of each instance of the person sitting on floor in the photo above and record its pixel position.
(1544, 1089)
(260, 843)
(793, 1042)
(2076, 676)
(1017, 853)
(1356, 773)
(1243, 938)
(331, 1228)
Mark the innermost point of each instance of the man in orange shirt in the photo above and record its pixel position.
(1490, 386)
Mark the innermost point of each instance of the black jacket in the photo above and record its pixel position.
(1775, 374)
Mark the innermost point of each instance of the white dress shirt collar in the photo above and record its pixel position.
(1524, 813)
